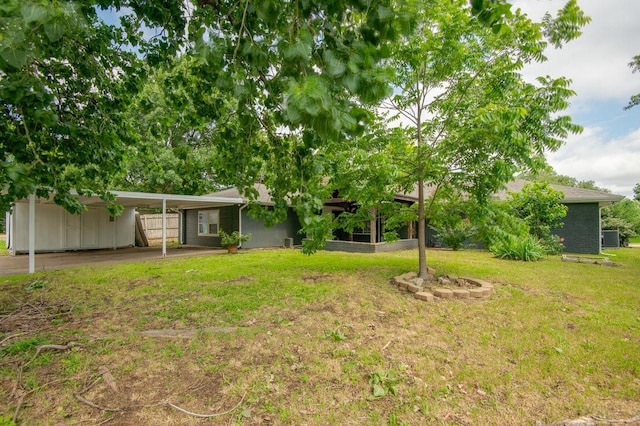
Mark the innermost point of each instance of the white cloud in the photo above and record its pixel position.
(611, 163)
(596, 62)
(608, 150)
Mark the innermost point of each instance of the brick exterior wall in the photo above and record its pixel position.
(261, 236)
(228, 222)
(581, 230)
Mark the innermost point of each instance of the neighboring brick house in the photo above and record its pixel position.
(582, 230)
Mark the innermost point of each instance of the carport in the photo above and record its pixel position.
(129, 200)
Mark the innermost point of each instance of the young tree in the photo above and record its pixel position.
(471, 120)
(636, 192)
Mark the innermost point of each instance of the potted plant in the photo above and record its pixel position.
(232, 241)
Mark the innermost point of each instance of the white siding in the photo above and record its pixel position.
(59, 230)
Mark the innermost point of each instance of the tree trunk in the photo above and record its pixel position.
(422, 241)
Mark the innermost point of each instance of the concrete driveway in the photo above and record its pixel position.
(19, 264)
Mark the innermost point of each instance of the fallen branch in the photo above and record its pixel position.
(94, 405)
(596, 421)
(158, 404)
(52, 347)
(23, 366)
(11, 336)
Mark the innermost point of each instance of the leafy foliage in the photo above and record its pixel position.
(6, 421)
(636, 192)
(454, 235)
(65, 79)
(232, 239)
(298, 76)
(538, 205)
(178, 126)
(514, 247)
(383, 382)
(336, 335)
(550, 176)
(635, 66)
(623, 216)
(451, 222)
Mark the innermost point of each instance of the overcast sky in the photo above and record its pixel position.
(608, 150)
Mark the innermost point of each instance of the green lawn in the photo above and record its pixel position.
(635, 240)
(3, 246)
(284, 338)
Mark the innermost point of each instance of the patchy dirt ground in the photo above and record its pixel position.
(362, 353)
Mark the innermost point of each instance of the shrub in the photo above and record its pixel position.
(512, 247)
(455, 235)
(232, 239)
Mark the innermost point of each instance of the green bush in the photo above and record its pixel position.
(552, 244)
(232, 239)
(512, 247)
(455, 235)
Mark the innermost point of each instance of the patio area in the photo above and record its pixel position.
(10, 265)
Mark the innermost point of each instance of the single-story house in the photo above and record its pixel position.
(200, 226)
(581, 232)
(39, 225)
(582, 229)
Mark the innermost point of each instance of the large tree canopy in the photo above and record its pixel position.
(178, 126)
(66, 78)
(288, 89)
(297, 71)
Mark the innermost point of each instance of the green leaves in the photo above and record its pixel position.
(383, 383)
(567, 24)
(635, 66)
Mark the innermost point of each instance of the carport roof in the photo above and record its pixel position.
(152, 200)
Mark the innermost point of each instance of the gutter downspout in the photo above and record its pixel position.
(8, 227)
(600, 229)
(240, 220)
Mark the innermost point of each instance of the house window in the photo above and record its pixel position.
(208, 222)
(365, 229)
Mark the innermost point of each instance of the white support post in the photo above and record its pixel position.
(32, 233)
(164, 228)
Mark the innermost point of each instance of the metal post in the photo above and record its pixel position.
(164, 228)
(32, 233)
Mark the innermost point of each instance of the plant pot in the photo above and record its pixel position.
(232, 249)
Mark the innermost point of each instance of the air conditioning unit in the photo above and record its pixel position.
(288, 242)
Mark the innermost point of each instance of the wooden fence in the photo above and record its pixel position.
(152, 225)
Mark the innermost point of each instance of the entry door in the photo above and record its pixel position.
(74, 231)
(82, 230)
(90, 228)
